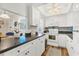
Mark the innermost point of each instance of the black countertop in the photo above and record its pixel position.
(65, 32)
(8, 44)
(69, 33)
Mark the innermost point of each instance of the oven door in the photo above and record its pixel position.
(52, 37)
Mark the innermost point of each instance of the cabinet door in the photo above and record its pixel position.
(13, 52)
(27, 52)
(42, 44)
(61, 41)
(1, 54)
(39, 46)
(35, 16)
(35, 47)
(16, 51)
(70, 49)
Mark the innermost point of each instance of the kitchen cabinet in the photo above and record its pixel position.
(35, 16)
(66, 42)
(75, 18)
(16, 51)
(33, 48)
(53, 31)
(70, 49)
(52, 42)
(76, 42)
(27, 52)
(62, 40)
(13, 52)
(40, 46)
(69, 45)
(1, 54)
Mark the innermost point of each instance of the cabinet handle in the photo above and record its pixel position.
(32, 43)
(18, 51)
(71, 47)
(26, 53)
(41, 41)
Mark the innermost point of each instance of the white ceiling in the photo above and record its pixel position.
(54, 9)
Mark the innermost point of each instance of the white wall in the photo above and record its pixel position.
(69, 19)
(59, 20)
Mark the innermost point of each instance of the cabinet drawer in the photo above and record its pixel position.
(27, 52)
(12, 52)
(1, 54)
(25, 46)
(52, 43)
(18, 50)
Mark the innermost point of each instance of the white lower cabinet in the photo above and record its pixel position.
(33, 48)
(1, 54)
(52, 42)
(70, 48)
(16, 51)
(27, 52)
(13, 52)
(61, 40)
(40, 46)
(76, 43)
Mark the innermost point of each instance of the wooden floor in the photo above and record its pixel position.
(64, 51)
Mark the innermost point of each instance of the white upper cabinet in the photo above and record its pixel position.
(75, 18)
(35, 16)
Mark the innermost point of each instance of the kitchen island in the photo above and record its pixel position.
(34, 45)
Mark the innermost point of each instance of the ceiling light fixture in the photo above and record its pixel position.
(54, 9)
(4, 15)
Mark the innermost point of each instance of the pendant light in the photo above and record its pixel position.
(4, 15)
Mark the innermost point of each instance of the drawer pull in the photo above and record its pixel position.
(32, 43)
(41, 41)
(26, 53)
(18, 51)
(71, 47)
